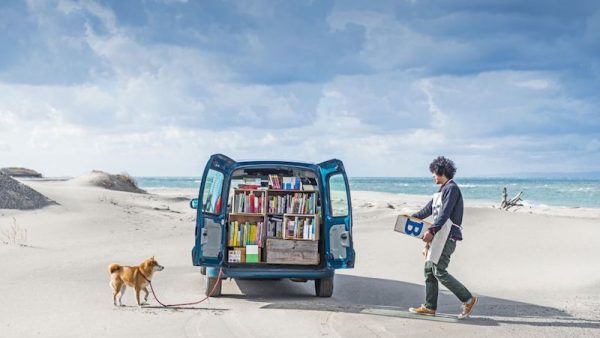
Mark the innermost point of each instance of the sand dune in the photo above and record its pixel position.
(119, 182)
(536, 274)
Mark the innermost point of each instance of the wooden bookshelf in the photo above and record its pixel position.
(262, 215)
(246, 214)
(290, 191)
(301, 215)
(300, 231)
(261, 195)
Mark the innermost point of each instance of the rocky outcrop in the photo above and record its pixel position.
(20, 172)
(16, 195)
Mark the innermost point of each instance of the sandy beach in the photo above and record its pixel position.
(536, 272)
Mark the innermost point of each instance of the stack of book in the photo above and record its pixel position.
(243, 234)
(286, 183)
(249, 203)
(275, 227)
(298, 203)
(274, 182)
(302, 204)
(300, 228)
(277, 204)
(292, 183)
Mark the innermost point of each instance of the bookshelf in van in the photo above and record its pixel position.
(297, 210)
(245, 228)
(255, 212)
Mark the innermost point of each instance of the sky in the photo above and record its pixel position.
(153, 88)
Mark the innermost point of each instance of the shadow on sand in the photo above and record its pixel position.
(354, 294)
(135, 308)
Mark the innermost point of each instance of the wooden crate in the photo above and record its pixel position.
(291, 251)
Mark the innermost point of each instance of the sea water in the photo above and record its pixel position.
(567, 192)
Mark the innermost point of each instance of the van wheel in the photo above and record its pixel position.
(211, 282)
(203, 270)
(324, 287)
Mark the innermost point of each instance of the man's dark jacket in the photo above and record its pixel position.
(452, 207)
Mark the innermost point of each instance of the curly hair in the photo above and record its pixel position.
(443, 167)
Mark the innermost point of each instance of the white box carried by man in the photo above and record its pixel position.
(411, 226)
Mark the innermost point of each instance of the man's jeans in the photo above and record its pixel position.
(437, 272)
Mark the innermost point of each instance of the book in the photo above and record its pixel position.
(305, 229)
(252, 254)
(236, 255)
(274, 182)
(251, 203)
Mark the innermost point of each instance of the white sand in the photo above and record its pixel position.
(537, 273)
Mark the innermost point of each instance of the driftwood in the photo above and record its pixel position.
(513, 202)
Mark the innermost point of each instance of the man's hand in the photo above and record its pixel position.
(428, 237)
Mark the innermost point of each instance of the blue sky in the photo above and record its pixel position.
(154, 87)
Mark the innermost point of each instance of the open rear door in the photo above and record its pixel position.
(337, 215)
(211, 212)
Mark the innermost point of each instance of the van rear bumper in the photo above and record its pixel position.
(270, 273)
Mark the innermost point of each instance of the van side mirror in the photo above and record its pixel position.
(194, 203)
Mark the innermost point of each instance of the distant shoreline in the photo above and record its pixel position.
(538, 192)
(403, 203)
(562, 193)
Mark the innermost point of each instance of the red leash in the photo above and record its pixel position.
(185, 304)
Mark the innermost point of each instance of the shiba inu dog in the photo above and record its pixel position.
(136, 277)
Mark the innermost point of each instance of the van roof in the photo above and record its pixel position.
(274, 163)
(227, 161)
(278, 161)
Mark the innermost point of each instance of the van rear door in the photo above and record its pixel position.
(337, 215)
(209, 249)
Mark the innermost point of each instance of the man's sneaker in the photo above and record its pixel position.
(467, 308)
(422, 310)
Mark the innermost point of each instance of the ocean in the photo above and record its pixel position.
(566, 192)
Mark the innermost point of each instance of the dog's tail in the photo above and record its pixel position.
(114, 268)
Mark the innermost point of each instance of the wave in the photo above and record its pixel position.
(547, 192)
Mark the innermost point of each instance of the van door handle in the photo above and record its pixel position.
(204, 238)
(345, 239)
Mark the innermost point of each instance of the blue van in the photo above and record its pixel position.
(273, 220)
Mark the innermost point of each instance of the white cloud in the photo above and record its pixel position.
(438, 116)
(7, 120)
(161, 108)
(538, 84)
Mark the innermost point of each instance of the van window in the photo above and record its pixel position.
(211, 196)
(338, 196)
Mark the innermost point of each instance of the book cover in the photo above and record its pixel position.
(252, 254)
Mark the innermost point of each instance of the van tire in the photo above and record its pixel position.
(324, 287)
(210, 284)
(203, 270)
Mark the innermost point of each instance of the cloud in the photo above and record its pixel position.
(155, 87)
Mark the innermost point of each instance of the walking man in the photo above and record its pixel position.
(446, 207)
